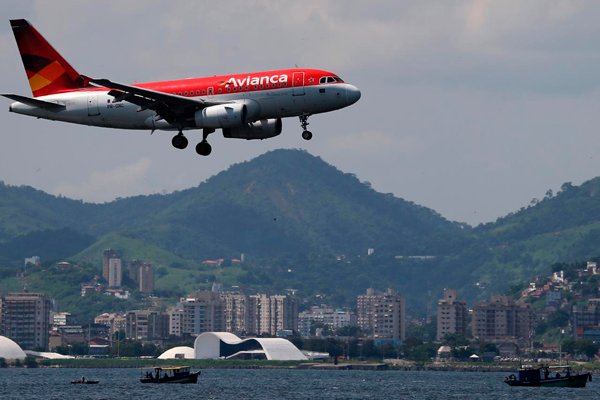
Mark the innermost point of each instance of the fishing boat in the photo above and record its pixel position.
(170, 375)
(551, 376)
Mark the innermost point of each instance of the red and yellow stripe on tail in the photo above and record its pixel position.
(48, 72)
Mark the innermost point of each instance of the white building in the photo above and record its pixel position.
(326, 316)
(215, 345)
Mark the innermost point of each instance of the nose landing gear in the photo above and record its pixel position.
(306, 134)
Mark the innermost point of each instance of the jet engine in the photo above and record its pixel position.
(229, 115)
(263, 129)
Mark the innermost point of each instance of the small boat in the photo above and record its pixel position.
(555, 376)
(170, 375)
(84, 381)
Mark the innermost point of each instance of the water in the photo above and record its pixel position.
(242, 384)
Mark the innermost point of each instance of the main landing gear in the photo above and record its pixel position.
(203, 148)
(179, 141)
(306, 134)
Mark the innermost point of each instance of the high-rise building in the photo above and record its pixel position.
(202, 312)
(175, 320)
(271, 314)
(146, 278)
(106, 256)
(146, 325)
(585, 320)
(115, 272)
(502, 319)
(133, 270)
(382, 316)
(25, 318)
(326, 316)
(451, 315)
(236, 313)
(114, 321)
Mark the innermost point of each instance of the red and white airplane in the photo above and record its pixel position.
(244, 106)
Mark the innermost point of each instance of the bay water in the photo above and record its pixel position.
(241, 384)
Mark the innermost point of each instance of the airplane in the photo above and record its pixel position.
(244, 106)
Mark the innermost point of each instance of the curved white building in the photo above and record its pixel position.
(180, 352)
(228, 345)
(9, 350)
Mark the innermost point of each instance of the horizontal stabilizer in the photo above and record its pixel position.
(35, 103)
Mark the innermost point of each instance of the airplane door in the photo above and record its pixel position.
(93, 109)
(298, 84)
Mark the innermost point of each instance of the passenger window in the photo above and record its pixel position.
(220, 90)
(203, 91)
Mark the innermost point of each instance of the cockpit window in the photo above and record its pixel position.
(330, 79)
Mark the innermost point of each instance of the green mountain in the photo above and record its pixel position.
(289, 202)
(283, 202)
(560, 228)
(302, 224)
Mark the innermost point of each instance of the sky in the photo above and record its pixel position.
(472, 108)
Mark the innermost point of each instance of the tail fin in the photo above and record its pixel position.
(48, 72)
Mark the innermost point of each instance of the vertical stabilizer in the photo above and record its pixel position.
(47, 71)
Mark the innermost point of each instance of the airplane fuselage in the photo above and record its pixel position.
(274, 94)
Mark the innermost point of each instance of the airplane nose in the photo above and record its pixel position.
(352, 94)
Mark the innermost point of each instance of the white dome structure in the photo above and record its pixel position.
(9, 350)
(180, 352)
(227, 345)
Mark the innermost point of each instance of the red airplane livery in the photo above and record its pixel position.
(244, 106)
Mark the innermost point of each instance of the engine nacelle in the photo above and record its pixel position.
(230, 115)
(263, 129)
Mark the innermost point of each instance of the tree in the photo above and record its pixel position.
(586, 347)
(454, 340)
(353, 331)
(31, 362)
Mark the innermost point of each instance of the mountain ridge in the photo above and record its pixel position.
(287, 207)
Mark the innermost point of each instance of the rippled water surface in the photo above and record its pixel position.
(51, 383)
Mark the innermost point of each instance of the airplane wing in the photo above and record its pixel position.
(170, 107)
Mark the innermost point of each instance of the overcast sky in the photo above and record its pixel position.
(471, 108)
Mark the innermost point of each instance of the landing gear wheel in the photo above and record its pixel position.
(179, 141)
(307, 135)
(203, 148)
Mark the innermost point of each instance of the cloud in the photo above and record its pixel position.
(104, 186)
